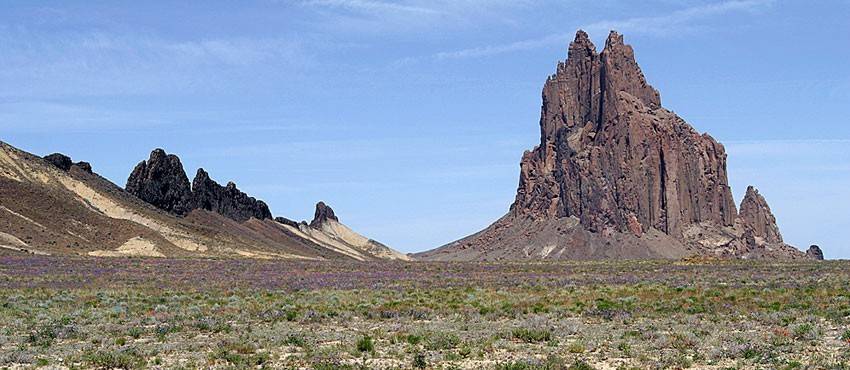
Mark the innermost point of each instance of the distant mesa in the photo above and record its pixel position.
(617, 176)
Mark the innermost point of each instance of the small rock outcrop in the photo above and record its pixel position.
(814, 252)
(162, 182)
(323, 214)
(64, 163)
(227, 200)
(756, 217)
(61, 161)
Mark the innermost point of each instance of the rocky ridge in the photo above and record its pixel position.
(616, 175)
(162, 182)
(227, 200)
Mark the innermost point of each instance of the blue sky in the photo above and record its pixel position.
(410, 117)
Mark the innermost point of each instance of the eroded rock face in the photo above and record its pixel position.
(755, 216)
(162, 182)
(323, 213)
(814, 252)
(616, 175)
(611, 156)
(227, 200)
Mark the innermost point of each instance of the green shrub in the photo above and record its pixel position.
(442, 341)
(120, 359)
(532, 335)
(365, 344)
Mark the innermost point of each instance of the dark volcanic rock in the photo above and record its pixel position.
(755, 215)
(815, 252)
(162, 182)
(616, 175)
(612, 157)
(227, 200)
(64, 163)
(60, 160)
(286, 221)
(323, 213)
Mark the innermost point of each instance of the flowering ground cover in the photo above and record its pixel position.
(206, 313)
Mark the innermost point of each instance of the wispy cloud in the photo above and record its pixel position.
(673, 22)
(657, 25)
(371, 6)
(94, 62)
(505, 48)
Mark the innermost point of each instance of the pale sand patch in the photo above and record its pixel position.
(137, 247)
(11, 167)
(8, 241)
(350, 237)
(547, 250)
(112, 209)
(320, 238)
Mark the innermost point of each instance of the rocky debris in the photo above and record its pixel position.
(616, 175)
(227, 200)
(755, 216)
(162, 182)
(64, 163)
(814, 252)
(323, 214)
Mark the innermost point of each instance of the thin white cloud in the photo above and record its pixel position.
(658, 25)
(370, 6)
(502, 49)
(671, 23)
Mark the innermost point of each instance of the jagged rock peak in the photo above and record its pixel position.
(162, 182)
(815, 252)
(323, 214)
(227, 200)
(64, 163)
(610, 156)
(755, 215)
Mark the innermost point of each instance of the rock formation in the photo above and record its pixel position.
(64, 163)
(162, 182)
(612, 157)
(616, 175)
(756, 217)
(815, 253)
(326, 230)
(226, 200)
(61, 161)
(322, 215)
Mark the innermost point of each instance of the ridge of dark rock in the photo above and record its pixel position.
(227, 200)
